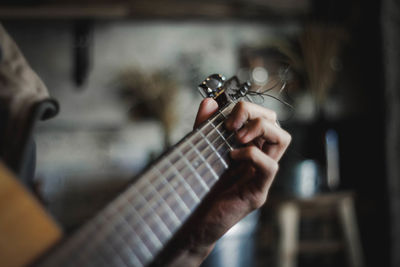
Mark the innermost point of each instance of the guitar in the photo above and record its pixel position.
(134, 228)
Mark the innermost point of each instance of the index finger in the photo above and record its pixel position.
(206, 109)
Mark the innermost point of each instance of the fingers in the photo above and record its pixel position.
(264, 164)
(207, 108)
(244, 111)
(254, 189)
(257, 125)
(276, 139)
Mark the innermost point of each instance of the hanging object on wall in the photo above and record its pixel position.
(82, 49)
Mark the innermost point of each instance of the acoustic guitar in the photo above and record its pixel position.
(134, 228)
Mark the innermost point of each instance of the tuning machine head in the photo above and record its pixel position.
(212, 86)
(242, 90)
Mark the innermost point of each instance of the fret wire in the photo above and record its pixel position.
(227, 138)
(183, 181)
(196, 174)
(160, 195)
(192, 147)
(176, 219)
(214, 128)
(116, 253)
(220, 138)
(209, 121)
(152, 199)
(131, 257)
(213, 125)
(161, 222)
(154, 239)
(153, 208)
(144, 249)
(148, 189)
(177, 197)
(95, 245)
(170, 197)
(204, 160)
(167, 173)
(196, 150)
(223, 115)
(122, 202)
(226, 151)
(95, 250)
(215, 151)
(190, 166)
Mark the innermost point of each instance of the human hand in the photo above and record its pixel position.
(245, 185)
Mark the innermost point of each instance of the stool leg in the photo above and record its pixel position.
(288, 218)
(350, 229)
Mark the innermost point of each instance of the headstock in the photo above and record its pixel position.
(223, 91)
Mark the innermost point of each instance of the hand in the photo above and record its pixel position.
(245, 186)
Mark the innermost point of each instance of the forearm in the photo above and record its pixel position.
(189, 257)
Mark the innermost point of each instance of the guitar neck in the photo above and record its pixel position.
(134, 228)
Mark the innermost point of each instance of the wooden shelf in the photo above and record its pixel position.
(174, 9)
(63, 12)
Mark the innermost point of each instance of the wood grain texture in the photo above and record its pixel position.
(26, 230)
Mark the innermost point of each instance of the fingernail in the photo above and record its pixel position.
(207, 102)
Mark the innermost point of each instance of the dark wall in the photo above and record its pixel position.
(391, 44)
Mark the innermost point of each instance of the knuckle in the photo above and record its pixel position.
(286, 139)
(251, 152)
(241, 106)
(274, 167)
(273, 115)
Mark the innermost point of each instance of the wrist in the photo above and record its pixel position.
(191, 256)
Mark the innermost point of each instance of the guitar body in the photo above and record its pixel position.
(26, 230)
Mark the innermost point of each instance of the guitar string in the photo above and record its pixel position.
(220, 137)
(195, 135)
(166, 173)
(157, 178)
(155, 206)
(152, 202)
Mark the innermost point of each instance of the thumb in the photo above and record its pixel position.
(207, 108)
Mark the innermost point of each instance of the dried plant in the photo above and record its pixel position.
(150, 95)
(320, 46)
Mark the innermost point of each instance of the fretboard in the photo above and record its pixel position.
(134, 228)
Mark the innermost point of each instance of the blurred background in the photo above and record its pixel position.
(126, 73)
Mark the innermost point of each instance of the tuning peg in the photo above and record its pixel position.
(212, 85)
(244, 88)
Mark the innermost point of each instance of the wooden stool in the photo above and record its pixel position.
(290, 213)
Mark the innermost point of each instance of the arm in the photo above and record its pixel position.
(247, 184)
